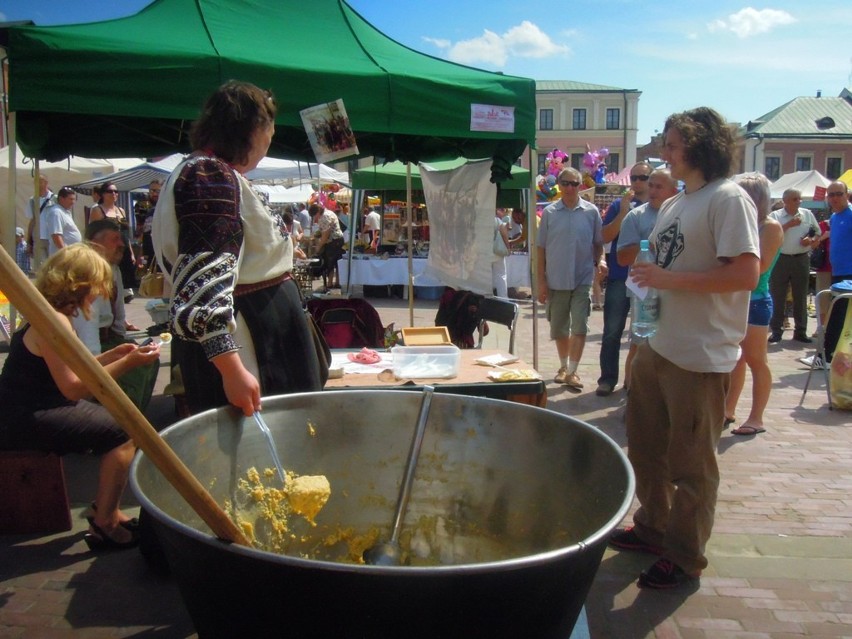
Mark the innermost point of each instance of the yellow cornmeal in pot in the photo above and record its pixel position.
(262, 512)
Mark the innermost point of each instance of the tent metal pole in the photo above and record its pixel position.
(533, 253)
(410, 244)
(9, 221)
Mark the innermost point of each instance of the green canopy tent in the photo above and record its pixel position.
(132, 86)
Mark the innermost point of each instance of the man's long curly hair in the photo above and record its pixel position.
(708, 141)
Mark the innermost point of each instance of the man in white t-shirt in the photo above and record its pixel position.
(45, 199)
(58, 221)
(707, 262)
(793, 268)
(372, 226)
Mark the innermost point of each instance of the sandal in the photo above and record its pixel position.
(131, 524)
(99, 540)
(745, 429)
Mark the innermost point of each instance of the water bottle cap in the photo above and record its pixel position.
(643, 245)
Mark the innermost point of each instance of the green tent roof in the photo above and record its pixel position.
(132, 86)
(390, 177)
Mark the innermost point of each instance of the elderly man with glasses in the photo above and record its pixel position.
(616, 301)
(840, 223)
(793, 268)
(570, 251)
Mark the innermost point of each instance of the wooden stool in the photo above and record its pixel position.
(33, 497)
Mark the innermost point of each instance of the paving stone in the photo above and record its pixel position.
(779, 556)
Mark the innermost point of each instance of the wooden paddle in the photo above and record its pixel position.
(26, 298)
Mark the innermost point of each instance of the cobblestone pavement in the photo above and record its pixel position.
(780, 555)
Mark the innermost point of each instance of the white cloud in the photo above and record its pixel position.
(525, 40)
(438, 42)
(750, 22)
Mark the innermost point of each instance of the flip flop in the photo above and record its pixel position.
(748, 430)
(729, 421)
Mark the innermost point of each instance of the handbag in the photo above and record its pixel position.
(499, 247)
(151, 284)
(818, 257)
(321, 347)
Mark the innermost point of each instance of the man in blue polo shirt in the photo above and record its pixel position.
(616, 302)
(840, 222)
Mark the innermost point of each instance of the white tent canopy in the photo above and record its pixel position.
(268, 170)
(66, 172)
(273, 169)
(135, 177)
(804, 181)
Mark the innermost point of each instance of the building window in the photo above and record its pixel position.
(804, 162)
(542, 163)
(612, 163)
(577, 161)
(833, 168)
(613, 118)
(579, 119)
(772, 167)
(545, 119)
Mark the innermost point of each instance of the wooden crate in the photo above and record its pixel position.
(33, 497)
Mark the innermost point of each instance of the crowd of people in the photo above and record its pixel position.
(724, 262)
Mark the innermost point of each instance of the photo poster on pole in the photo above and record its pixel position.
(329, 131)
(461, 204)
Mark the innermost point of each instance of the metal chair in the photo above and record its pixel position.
(820, 343)
(498, 311)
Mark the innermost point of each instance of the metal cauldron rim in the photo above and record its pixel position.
(510, 564)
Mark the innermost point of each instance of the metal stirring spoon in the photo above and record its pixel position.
(388, 553)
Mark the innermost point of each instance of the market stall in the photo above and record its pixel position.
(374, 271)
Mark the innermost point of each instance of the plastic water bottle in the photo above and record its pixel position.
(646, 311)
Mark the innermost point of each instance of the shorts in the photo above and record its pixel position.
(760, 311)
(568, 311)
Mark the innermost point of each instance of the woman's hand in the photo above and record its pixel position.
(241, 387)
(141, 355)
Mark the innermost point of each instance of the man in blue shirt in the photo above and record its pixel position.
(616, 302)
(837, 195)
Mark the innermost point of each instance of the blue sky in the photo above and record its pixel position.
(744, 60)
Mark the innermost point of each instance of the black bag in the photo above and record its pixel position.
(321, 347)
(818, 257)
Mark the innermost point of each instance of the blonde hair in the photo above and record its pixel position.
(757, 186)
(72, 274)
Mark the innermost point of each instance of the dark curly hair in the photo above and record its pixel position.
(709, 143)
(229, 118)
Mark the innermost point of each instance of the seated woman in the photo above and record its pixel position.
(45, 403)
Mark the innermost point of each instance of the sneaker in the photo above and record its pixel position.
(664, 574)
(573, 381)
(802, 337)
(627, 539)
(604, 389)
(775, 338)
(814, 361)
(561, 375)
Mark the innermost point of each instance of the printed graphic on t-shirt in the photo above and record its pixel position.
(669, 244)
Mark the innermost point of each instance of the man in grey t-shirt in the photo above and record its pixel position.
(637, 226)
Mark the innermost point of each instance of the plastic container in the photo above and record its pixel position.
(436, 362)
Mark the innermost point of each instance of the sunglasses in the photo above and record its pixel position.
(569, 183)
(639, 178)
(110, 191)
(836, 194)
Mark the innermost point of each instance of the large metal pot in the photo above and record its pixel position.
(519, 502)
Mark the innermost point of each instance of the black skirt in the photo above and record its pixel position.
(283, 344)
